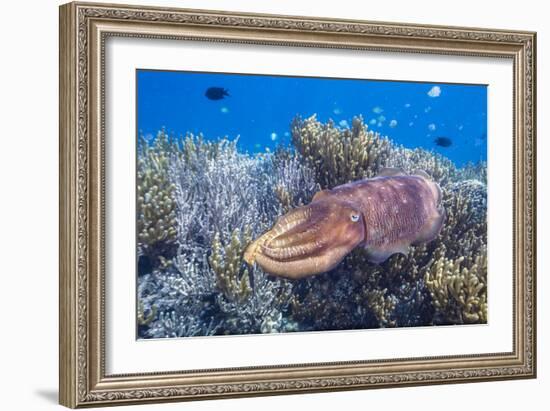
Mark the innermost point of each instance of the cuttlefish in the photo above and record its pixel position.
(385, 215)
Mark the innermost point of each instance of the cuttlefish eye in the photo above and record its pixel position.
(354, 217)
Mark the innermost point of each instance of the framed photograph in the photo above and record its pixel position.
(260, 204)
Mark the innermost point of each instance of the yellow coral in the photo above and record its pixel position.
(339, 155)
(459, 293)
(382, 305)
(156, 206)
(227, 263)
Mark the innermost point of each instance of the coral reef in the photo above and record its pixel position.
(226, 262)
(441, 169)
(339, 155)
(459, 294)
(222, 198)
(156, 214)
(201, 201)
(474, 171)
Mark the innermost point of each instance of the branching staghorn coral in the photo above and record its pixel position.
(339, 155)
(262, 311)
(440, 168)
(474, 171)
(465, 231)
(171, 325)
(221, 181)
(218, 194)
(294, 183)
(145, 319)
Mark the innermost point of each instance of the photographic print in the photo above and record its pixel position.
(275, 186)
(274, 204)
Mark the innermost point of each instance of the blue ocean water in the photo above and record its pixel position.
(260, 108)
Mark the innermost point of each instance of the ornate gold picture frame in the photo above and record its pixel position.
(85, 28)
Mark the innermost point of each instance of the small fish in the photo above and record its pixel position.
(216, 93)
(443, 141)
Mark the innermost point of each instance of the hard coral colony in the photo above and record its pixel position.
(201, 203)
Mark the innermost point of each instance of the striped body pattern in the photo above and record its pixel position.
(398, 211)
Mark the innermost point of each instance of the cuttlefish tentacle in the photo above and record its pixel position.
(385, 214)
(292, 252)
(287, 224)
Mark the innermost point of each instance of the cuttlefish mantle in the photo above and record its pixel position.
(385, 215)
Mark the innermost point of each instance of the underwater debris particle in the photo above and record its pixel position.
(435, 91)
(411, 123)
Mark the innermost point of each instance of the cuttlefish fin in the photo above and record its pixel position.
(391, 172)
(431, 228)
(379, 254)
(320, 195)
(436, 190)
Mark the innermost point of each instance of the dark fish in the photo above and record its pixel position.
(443, 141)
(216, 93)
